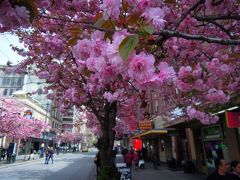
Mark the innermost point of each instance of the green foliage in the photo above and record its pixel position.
(149, 29)
(108, 173)
(127, 46)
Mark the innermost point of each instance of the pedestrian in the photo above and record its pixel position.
(221, 171)
(3, 153)
(155, 159)
(135, 159)
(97, 161)
(235, 170)
(46, 155)
(124, 152)
(51, 152)
(129, 159)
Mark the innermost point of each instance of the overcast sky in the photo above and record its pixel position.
(6, 53)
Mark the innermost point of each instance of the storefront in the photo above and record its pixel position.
(214, 145)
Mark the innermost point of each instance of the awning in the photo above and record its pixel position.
(150, 133)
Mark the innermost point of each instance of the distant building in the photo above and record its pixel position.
(29, 89)
(10, 81)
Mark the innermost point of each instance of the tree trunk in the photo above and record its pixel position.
(107, 140)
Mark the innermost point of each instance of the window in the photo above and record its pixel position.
(11, 91)
(5, 92)
(67, 119)
(156, 106)
(13, 81)
(40, 91)
(20, 81)
(6, 81)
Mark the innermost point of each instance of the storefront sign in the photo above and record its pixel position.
(145, 125)
(212, 132)
(233, 119)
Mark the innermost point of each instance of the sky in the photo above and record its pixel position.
(6, 53)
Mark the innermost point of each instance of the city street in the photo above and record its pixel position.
(65, 167)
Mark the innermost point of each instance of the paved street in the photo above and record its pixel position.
(80, 166)
(149, 173)
(65, 167)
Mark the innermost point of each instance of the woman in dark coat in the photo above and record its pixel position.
(235, 170)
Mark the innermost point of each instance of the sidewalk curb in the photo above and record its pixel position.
(2, 166)
(19, 163)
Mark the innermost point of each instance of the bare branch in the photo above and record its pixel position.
(222, 28)
(169, 33)
(218, 17)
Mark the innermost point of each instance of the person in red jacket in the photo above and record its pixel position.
(129, 159)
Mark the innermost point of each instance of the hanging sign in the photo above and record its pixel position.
(145, 125)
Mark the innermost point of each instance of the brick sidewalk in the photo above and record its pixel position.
(162, 173)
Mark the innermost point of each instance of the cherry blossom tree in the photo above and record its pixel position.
(106, 54)
(14, 125)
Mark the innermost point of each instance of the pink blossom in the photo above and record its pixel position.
(111, 9)
(82, 49)
(111, 97)
(182, 86)
(155, 16)
(217, 96)
(141, 67)
(166, 72)
(185, 72)
(43, 75)
(96, 64)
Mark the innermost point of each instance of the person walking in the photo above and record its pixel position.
(129, 159)
(97, 161)
(135, 159)
(235, 170)
(155, 159)
(221, 171)
(46, 155)
(51, 152)
(3, 153)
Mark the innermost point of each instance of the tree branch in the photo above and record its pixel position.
(169, 33)
(222, 28)
(218, 17)
(188, 12)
